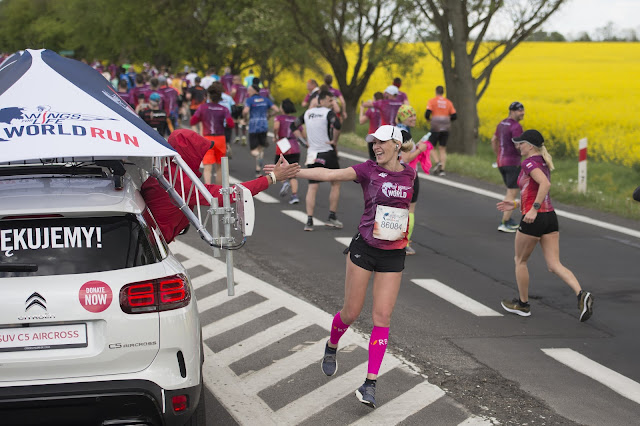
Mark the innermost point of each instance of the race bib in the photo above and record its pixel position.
(391, 223)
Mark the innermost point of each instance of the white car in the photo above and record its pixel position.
(98, 321)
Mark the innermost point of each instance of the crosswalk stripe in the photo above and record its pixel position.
(190, 263)
(219, 298)
(403, 406)
(345, 241)
(476, 421)
(255, 381)
(245, 408)
(302, 217)
(207, 278)
(611, 379)
(456, 298)
(334, 390)
(261, 340)
(232, 321)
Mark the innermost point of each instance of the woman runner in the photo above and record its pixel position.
(377, 247)
(539, 224)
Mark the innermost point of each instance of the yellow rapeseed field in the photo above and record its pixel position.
(570, 91)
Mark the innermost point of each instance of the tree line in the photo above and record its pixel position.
(354, 37)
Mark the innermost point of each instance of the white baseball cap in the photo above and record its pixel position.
(392, 90)
(385, 133)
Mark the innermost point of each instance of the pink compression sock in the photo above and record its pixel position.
(377, 347)
(338, 328)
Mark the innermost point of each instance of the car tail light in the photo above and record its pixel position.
(162, 294)
(179, 402)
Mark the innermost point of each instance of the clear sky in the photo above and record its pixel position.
(576, 16)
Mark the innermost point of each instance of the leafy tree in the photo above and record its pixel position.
(355, 37)
(467, 60)
(31, 24)
(545, 36)
(583, 36)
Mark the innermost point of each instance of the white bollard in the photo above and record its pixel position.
(582, 166)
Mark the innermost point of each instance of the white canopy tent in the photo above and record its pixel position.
(58, 110)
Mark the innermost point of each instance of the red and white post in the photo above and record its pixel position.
(582, 166)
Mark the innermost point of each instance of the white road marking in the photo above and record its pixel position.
(302, 217)
(611, 379)
(497, 196)
(456, 298)
(281, 369)
(403, 406)
(230, 322)
(345, 241)
(261, 340)
(477, 421)
(207, 278)
(325, 395)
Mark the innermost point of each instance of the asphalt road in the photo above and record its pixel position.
(448, 324)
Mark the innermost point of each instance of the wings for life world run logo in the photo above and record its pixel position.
(43, 121)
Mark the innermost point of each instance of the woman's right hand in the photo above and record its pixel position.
(505, 206)
(282, 169)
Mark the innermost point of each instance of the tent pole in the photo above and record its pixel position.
(228, 220)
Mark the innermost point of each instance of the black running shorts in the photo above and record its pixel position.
(328, 160)
(545, 223)
(291, 158)
(257, 139)
(416, 189)
(510, 176)
(439, 138)
(375, 259)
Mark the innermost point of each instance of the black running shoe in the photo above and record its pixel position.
(585, 304)
(367, 394)
(329, 363)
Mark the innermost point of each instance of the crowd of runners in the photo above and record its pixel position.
(228, 109)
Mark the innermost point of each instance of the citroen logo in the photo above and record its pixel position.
(35, 300)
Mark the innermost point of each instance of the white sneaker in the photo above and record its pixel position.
(286, 186)
(334, 223)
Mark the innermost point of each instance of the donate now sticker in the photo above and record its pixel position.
(95, 296)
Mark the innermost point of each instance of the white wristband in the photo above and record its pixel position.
(273, 177)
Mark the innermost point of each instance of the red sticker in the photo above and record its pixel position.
(95, 296)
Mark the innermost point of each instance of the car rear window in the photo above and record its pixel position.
(58, 246)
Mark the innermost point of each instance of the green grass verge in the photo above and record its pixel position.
(609, 186)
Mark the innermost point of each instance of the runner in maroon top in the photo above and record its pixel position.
(214, 118)
(377, 249)
(402, 96)
(373, 117)
(539, 224)
(282, 130)
(388, 106)
(509, 158)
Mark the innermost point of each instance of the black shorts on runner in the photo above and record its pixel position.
(257, 139)
(545, 223)
(439, 138)
(291, 158)
(375, 259)
(328, 160)
(416, 189)
(510, 176)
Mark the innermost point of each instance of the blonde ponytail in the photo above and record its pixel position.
(547, 157)
(407, 145)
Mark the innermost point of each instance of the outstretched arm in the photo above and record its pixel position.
(328, 175)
